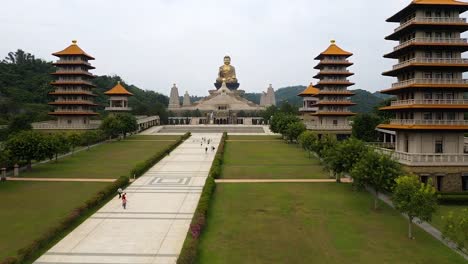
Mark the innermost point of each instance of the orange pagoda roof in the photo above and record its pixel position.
(118, 89)
(462, 6)
(73, 49)
(333, 50)
(309, 91)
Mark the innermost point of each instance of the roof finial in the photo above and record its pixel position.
(74, 42)
(332, 41)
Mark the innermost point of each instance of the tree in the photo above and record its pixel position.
(377, 171)
(342, 158)
(26, 146)
(111, 126)
(128, 123)
(364, 127)
(74, 139)
(92, 137)
(456, 229)
(19, 123)
(415, 199)
(326, 142)
(293, 130)
(288, 108)
(61, 143)
(268, 113)
(307, 140)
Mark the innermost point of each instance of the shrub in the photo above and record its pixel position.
(452, 198)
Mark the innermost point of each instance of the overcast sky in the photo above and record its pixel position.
(154, 43)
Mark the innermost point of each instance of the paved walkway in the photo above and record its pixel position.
(152, 229)
(343, 180)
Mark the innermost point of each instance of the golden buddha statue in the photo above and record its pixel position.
(227, 74)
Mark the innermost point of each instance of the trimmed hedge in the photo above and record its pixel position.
(453, 198)
(144, 166)
(189, 251)
(31, 251)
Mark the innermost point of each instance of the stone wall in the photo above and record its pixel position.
(452, 175)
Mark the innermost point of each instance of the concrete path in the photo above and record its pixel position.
(152, 229)
(344, 180)
(59, 179)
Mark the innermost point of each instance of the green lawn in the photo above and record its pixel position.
(270, 159)
(310, 223)
(444, 210)
(109, 160)
(30, 208)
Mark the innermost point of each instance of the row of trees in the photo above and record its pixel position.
(119, 125)
(28, 146)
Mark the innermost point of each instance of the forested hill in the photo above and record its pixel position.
(365, 100)
(25, 84)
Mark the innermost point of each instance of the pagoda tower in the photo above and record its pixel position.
(333, 106)
(118, 99)
(73, 89)
(431, 95)
(309, 105)
(174, 101)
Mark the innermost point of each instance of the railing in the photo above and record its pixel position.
(328, 127)
(73, 111)
(431, 20)
(334, 81)
(334, 61)
(430, 159)
(429, 81)
(73, 81)
(148, 119)
(428, 122)
(313, 108)
(72, 62)
(431, 60)
(385, 145)
(70, 126)
(333, 71)
(74, 101)
(62, 71)
(432, 40)
(430, 101)
(115, 108)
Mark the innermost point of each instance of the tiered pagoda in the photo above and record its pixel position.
(118, 99)
(309, 105)
(73, 88)
(431, 93)
(333, 106)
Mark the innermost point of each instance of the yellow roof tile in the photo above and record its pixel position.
(462, 7)
(333, 50)
(118, 90)
(309, 91)
(73, 49)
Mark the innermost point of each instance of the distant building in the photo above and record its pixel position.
(432, 104)
(333, 98)
(118, 99)
(73, 89)
(309, 106)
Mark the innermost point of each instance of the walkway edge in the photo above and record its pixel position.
(281, 180)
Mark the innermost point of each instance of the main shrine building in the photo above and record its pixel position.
(431, 106)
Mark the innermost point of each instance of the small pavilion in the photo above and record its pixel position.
(118, 99)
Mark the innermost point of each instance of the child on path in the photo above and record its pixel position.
(120, 192)
(124, 201)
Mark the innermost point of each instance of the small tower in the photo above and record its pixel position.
(118, 99)
(263, 99)
(73, 88)
(186, 100)
(309, 105)
(270, 96)
(174, 102)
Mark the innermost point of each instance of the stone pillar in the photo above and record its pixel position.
(3, 177)
(16, 170)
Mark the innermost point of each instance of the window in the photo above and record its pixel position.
(438, 35)
(424, 178)
(428, 34)
(427, 116)
(428, 54)
(438, 54)
(449, 75)
(439, 96)
(438, 14)
(439, 145)
(449, 96)
(450, 116)
(439, 182)
(465, 182)
(439, 75)
(427, 96)
(69, 121)
(335, 122)
(448, 34)
(439, 116)
(428, 75)
(428, 13)
(448, 14)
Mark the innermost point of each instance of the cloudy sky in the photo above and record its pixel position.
(154, 43)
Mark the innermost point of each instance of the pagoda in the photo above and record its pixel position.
(309, 105)
(431, 94)
(333, 105)
(73, 89)
(118, 99)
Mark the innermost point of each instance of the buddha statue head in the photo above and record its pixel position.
(227, 60)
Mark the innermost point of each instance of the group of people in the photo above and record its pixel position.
(123, 196)
(207, 141)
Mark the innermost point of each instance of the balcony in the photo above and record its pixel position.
(430, 20)
(422, 81)
(308, 109)
(430, 122)
(331, 61)
(72, 62)
(108, 108)
(328, 127)
(440, 41)
(447, 61)
(54, 125)
(427, 159)
(430, 102)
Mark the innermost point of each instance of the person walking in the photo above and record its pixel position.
(124, 201)
(120, 191)
(206, 149)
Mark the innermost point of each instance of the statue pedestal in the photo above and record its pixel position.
(230, 86)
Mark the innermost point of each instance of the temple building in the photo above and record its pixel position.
(309, 106)
(118, 99)
(333, 98)
(73, 89)
(431, 94)
(224, 105)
